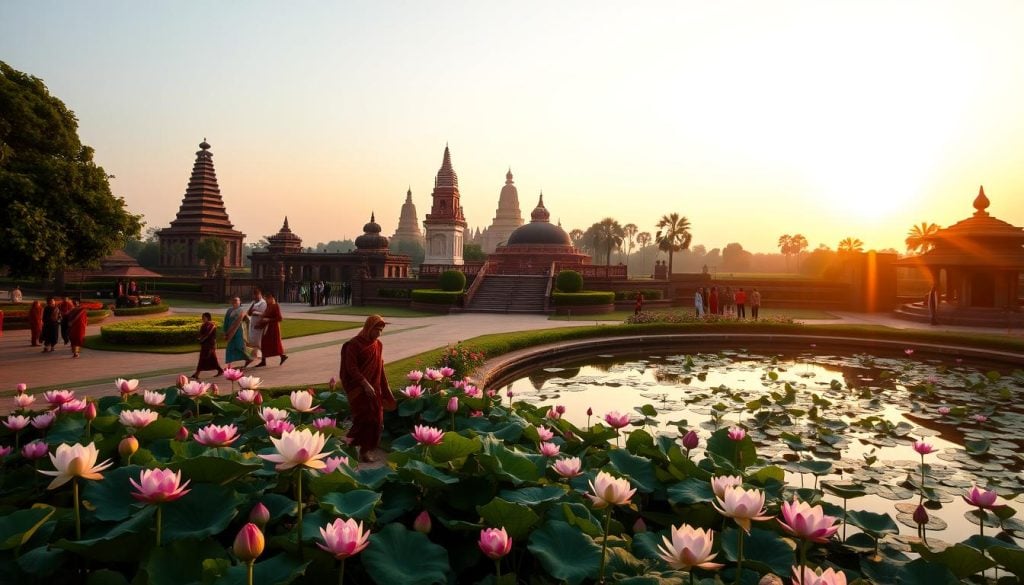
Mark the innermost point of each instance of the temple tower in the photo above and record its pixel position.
(445, 224)
(202, 215)
(506, 219)
(408, 223)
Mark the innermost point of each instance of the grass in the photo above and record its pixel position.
(619, 316)
(374, 310)
(290, 328)
(193, 303)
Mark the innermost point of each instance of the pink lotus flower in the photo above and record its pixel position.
(277, 427)
(920, 515)
(509, 393)
(58, 397)
(182, 380)
(433, 375)
(807, 576)
(249, 543)
(344, 538)
(35, 450)
(195, 389)
(269, 413)
(153, 398)
(495, 543)
(923, 448)
(24, 400)
(476, 413)
(259, 515)
(722, 483)
(447, 372)
(425, 435)
(807, 522)
(5, 450)
(332, 463)
(459, 384)
(453, 405)
(742, 506)
(984, 499)
(302, 448)
(616, 420)
(324, 422)
(128, 446)
(552, 414)
(90, 411)
(332, 383)
(73, 461)
(422, 523)
(568, 467)
(688, 548)
(21, 387)
(639, 526)
(217, 435)
(181, 435)
(137, 419)
(74, 405)
(214, 390)
(608, 490)
(414, 391)
(156, 486)
(472, 391)
(233, 374)
(249, 382)
(549, 449)
(247, 396)
(414, 376)
(545, 434)
(737, 433)
(492, 393)
(17, 422)
(979, 418)
(690, 440)
(590, 411)
(943, 410)
(44, 420)
(908, 351)
(126, 387)
(301, 401)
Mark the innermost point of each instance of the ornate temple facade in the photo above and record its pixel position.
(202, 215)
(408, 223)
(445, 225)
(507, 218)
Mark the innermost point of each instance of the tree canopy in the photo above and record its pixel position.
(673, 235)
(56, 208)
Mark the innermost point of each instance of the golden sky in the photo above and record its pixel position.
(753, 119)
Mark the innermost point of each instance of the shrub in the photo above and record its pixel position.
(462, 359)
(649, 295)
(143, 310)
(452, 280)
(569, 281)
(563, 299)
(394, 293)
(168, 331)
(436, 297)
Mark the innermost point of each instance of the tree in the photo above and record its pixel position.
(916, 237)
(56, 208)
(609, 235)
(850, 244)
(576, 237)
(735, 258)
(212, 251)
(413, 249)
(473, 252)
(629, 232)
(673, 235)
(790, 245)
(643, 239)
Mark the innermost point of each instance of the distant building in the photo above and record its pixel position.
(202, 215)
(506, 219)
(408, 223)
(445, 225)
(537, 246)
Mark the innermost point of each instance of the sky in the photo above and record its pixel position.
(753, 119)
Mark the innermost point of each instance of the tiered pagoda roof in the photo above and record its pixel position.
(446, 207)
(202, 209)
(285, 241)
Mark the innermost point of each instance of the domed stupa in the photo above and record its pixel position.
(371, 242)
(408, 223)
(532, 248)
(507, 218)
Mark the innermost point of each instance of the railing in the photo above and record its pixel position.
(595, 271)
(477, 282)
(551, 283)
(469, 268)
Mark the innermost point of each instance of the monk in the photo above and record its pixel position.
(208, 347)
(270, 342)
(35, 322)
(65, 307)
(362, 377)
(77, 320)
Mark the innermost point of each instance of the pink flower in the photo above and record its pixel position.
(332, 383)
(509, 393)
(476, 413)
(492, 393)
(156, 486)
(181, 435)
(74, 405)
(985, 499)
(639, 526)
(302, 448)
(332, 463)
(920, 515)
(742, 506)
(807, 522)
(21, 387)
(250, 382)
(247, 396)
(447, 372)
(301, 401)
(616, 420)
(425, 435)
(195, 389)
(126, 387)
(324, 422)
(422, 523)
(943, 410)
(414, 376)
(182, 380)
(590, 411)
(217, 435)
(5, 450)
(721, 483)
(472, 391)
(24, 400)
(269, 413)
(70, 461)
(549, 449)
(453, 404)
(433, 375)
(608, 490)
(153, 398)
(58, 397)
(979, 418)
(908, 351)
(90, 411)
(495, 543)
(568, 467)
(807, 576)
(137, 419)
(344, 538)
(923, 448)
(737, 433)
(35, 450)
(128, 446)
(259, 515)
(43, 421)
(17, 422)
(277, 427)
(414, 391)
(688, 548)
(552, 414)
(545, 434)
(233, 374)
(249, 543)
(691, 440)
(459, 384)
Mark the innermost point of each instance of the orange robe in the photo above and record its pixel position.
(35, 322)
(270, 344)
(363, 360)
(77, 320)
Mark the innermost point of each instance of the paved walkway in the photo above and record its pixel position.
(313, 359)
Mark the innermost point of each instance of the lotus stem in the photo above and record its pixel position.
(604, 544)
(844, 519)
(803, 556)
(341, 572)
(497, 569)
(739, 557)
(249, 571)
(691, 575)
(981, 521)
(78, 512)
(17, 440)
(159, 524)
(298, 498)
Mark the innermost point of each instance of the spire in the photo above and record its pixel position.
(284, 228)
(202, 204)
(373, 219)
(446, 176)
(540, 213)
(408, 195)
(981, 202)
(508, 176)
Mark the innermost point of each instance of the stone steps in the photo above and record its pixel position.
(509, 294)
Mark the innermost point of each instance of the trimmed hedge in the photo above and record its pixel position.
(583, 298)
(393, 293)
(569, 281)
(452, 281)
(436, 297)
(143, 310)
(169, 331)
(629, 295)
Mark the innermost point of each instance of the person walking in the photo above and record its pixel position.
(208, 348)
(366, 385)
(77, 320)
(65, 307)
(713, 305)
(639, 305)
(51, 324)
(698, 303)
(741, 304)
(755, 303)
(234, 333)
(35, 322)
(933, 305)
(270, 342)
(255, 314)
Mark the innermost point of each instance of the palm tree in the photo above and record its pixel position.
(576, 237)
(785, 247)
(610, 234)
(643, 239)
(673, 235)
(850, 244)
(629, 233)
(916, 237)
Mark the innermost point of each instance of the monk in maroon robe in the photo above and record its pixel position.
(77, 320)
(362, 377)
(35, 322)
(270, 343)
(208, 347)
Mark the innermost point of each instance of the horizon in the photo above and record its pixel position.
(829, 120)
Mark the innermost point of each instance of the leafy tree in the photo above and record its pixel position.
(643, 239)
(473, 252)
(734, 257)
(916, 237)
(790, 245)
(576, 237)
(850, 244)
(629, 232)
(608, 234)
(56, 208)
(336, 246)
(212, 251)
(673, 235)
(414, 250)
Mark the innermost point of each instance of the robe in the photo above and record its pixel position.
(51, 325)
(256, 310)
(234, 332)
(77, 321)
(65, 308)
(270, 343)
(208, 347)
(35, 322)
(363, 360)
(714, 302)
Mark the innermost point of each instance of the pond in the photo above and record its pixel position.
(844, 419)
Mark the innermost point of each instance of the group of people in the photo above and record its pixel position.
(64, 320)
(318, 293)
(726, 303)
(124, 292)
(251, 333)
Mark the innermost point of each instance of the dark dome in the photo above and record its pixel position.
(371, 239)
(539, 233)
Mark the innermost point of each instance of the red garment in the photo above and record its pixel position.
(35, 321)
(208, 347)
(713, 302)
(270, 344)
(362, 361)
(741, 297)
(77, 319)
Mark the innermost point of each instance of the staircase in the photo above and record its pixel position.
(502, 293)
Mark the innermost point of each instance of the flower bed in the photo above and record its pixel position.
(167, 331)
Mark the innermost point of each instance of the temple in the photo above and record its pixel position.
(445, 224)
(507, 218)
(202, 215)
(408, 224)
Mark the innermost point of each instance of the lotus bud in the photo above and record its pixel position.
(259, 515)
(214, 389)
(332, 384)
(21, 388)
(691, 440)
(182, 380)
(127, 447)
(920, 515)
(453, 404)
(182, 434)
(249, 543)
(560, 409)
(90, 411)
(639, 526)
(770, 579)
(422, 523)
(258, 400)
(590, 412)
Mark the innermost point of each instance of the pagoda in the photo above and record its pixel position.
(408, 223)
(506, 219)
(202, 215)
(445, 224)
(284, 241)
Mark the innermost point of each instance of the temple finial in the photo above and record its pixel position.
(981, 202)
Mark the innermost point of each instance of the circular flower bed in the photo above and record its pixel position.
(167, 331)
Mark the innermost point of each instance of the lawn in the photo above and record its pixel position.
(290, 329)
(803, 314)
(374, 310)
(194, 303)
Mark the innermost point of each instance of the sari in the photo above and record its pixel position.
(234, 333)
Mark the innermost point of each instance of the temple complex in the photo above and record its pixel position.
(202, 215)
(507, 218)
(537, 246)
(408, 223)
(445, 224)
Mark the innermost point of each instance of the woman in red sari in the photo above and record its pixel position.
(362, 377)
(270, 344)
(35, 322)
(77, 320)
(208, 347)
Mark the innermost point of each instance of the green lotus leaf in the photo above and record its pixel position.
(399, 555)
(961, 559)
(873, 523)
(358, 504)
(164, 565)
(120, 543)
(454, 446)
(977, 447)
(690, 491)
(917, 572)
(761, 548)
(218, 470)
(579, 516)
(277, 570)
(638, 470)
(205, 511)
(739, 453)
(41, 561)
(18, 527)
(1011, 559)
(426, 475)
(161, 428)
(565, 552)
(517, 519)
(534, 496)
(111, 497)
(846, 491)
(510, 465)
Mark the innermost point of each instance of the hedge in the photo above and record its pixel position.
(168, 331)
(583, 298)
(569, 281)
(452, 281)
(143, 310)
(649, 295)
(393, 293)
(436, 297)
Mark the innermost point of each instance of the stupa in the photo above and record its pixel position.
(445, 224)
(408, 223)
(507, 218)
